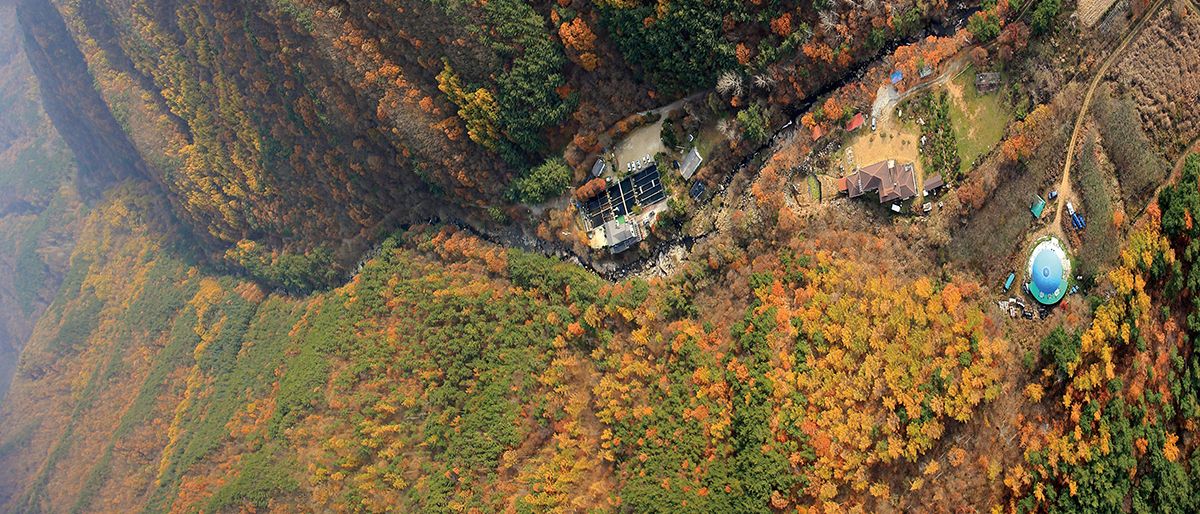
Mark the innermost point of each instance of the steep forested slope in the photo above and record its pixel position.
(36, 210)
(310, 128)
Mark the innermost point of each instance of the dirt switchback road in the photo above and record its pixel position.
(1065, 186)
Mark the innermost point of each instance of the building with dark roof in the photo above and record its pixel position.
(893, 182)
(614, 208)
(598, 168)
(933, 183)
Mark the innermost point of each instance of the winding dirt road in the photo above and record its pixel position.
(1064, 187)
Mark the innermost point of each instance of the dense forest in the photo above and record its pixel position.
(36, 211)
(454, 374)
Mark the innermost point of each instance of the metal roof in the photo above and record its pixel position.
(690, 163)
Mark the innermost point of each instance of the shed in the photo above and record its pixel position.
(1037, 207)
(817, 132)
(925, 72)
(856, 122)
(933, 183)
(897, 76)
(690, 163)
(598, 168)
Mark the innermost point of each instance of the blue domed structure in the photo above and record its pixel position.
(1047, 271)
(1048, 265)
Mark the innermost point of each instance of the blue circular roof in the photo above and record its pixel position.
(1047, 271)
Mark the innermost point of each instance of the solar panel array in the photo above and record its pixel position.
(639, 189)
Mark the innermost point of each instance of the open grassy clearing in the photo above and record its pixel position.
(978, 120)
(708, 138)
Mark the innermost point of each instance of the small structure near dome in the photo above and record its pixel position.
(1037, 207)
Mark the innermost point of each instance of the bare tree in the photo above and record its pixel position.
(729, 129)
(829, 19)
(764, 81)
(730, 82)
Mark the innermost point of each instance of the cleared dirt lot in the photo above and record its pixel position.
(890, 140)
(644, 140)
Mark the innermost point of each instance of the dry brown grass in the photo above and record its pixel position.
(1090, 11)
(1161, 72)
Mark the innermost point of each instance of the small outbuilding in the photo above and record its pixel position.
(855, 122)
(598, 168)
(690, 163)
(932, 184)
(1037, 207)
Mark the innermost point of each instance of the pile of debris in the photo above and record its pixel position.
(1015, 307)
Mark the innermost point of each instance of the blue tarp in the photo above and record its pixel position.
(897, 77)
